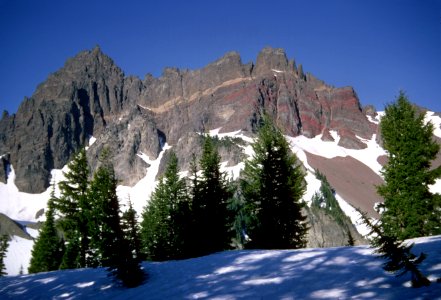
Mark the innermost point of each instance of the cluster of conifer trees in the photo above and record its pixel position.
(89, 231)
(206, 213)
(184, 217)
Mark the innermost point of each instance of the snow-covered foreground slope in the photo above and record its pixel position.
(332, 273)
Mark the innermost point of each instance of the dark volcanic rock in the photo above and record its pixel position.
(71, 105)
(270, 59)
(4, 167)
(132, 135)
(90, 96)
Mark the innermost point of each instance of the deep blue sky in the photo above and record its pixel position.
(378, 47)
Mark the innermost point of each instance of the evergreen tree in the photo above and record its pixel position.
(3, 249)
(105, 226)
(109, 247)
(75, 210)
(410, 209)
(166, 218)
(131, 232)
(398, 256)
(47, 251)
(272, 186)
(212, 193)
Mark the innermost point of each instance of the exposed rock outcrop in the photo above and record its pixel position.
(324, 231)
(90, 96)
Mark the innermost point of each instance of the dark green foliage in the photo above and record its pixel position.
(109, 248)
(3, 249)
(272, 185)
(227, 142)
(166, 218)
(75, 210)
(326, 200)
(398, 255)
(351, 241)
(211, 195)
(240, 220)
(410, 209)
(104, 223)
(131, 231)
(47, 251)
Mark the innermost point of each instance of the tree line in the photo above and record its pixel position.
(184, 217)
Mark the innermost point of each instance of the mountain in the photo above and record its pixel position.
(90, 103)
(317, 273)
(90, 96)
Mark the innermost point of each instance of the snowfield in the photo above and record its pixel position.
(325, 273)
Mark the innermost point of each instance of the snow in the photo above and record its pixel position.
(18, 205)
(353, 214)
(331, 149)
(32, 232)
(436, 121)
(92, 140)
(435, 188)
(140, 192)
(331, 273)
(18, 255)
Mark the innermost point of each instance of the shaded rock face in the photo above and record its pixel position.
(324, 231)
(11, 228)
(90, 96)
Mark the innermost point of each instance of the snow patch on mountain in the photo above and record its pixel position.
(353, 214)
(331, 149)
(140, 193)
(436, 121)
(91, 141)
(18, 205)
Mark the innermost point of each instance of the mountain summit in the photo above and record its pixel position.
(91, 97)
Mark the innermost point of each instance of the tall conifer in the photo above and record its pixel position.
(110, 248)
(411, 210)
(210, 207)
(272, 186)
(131, 231)
(166, 217)
(47, 251)
(74, 208)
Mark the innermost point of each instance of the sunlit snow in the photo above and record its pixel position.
(140, 192)
(436, 121)
(331, 149)
(18, 255)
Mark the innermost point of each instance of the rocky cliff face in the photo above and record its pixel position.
(90, 96)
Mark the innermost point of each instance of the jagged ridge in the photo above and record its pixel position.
(90, 95)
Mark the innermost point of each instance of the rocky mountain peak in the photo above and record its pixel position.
(270, 59)
(90, 96)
